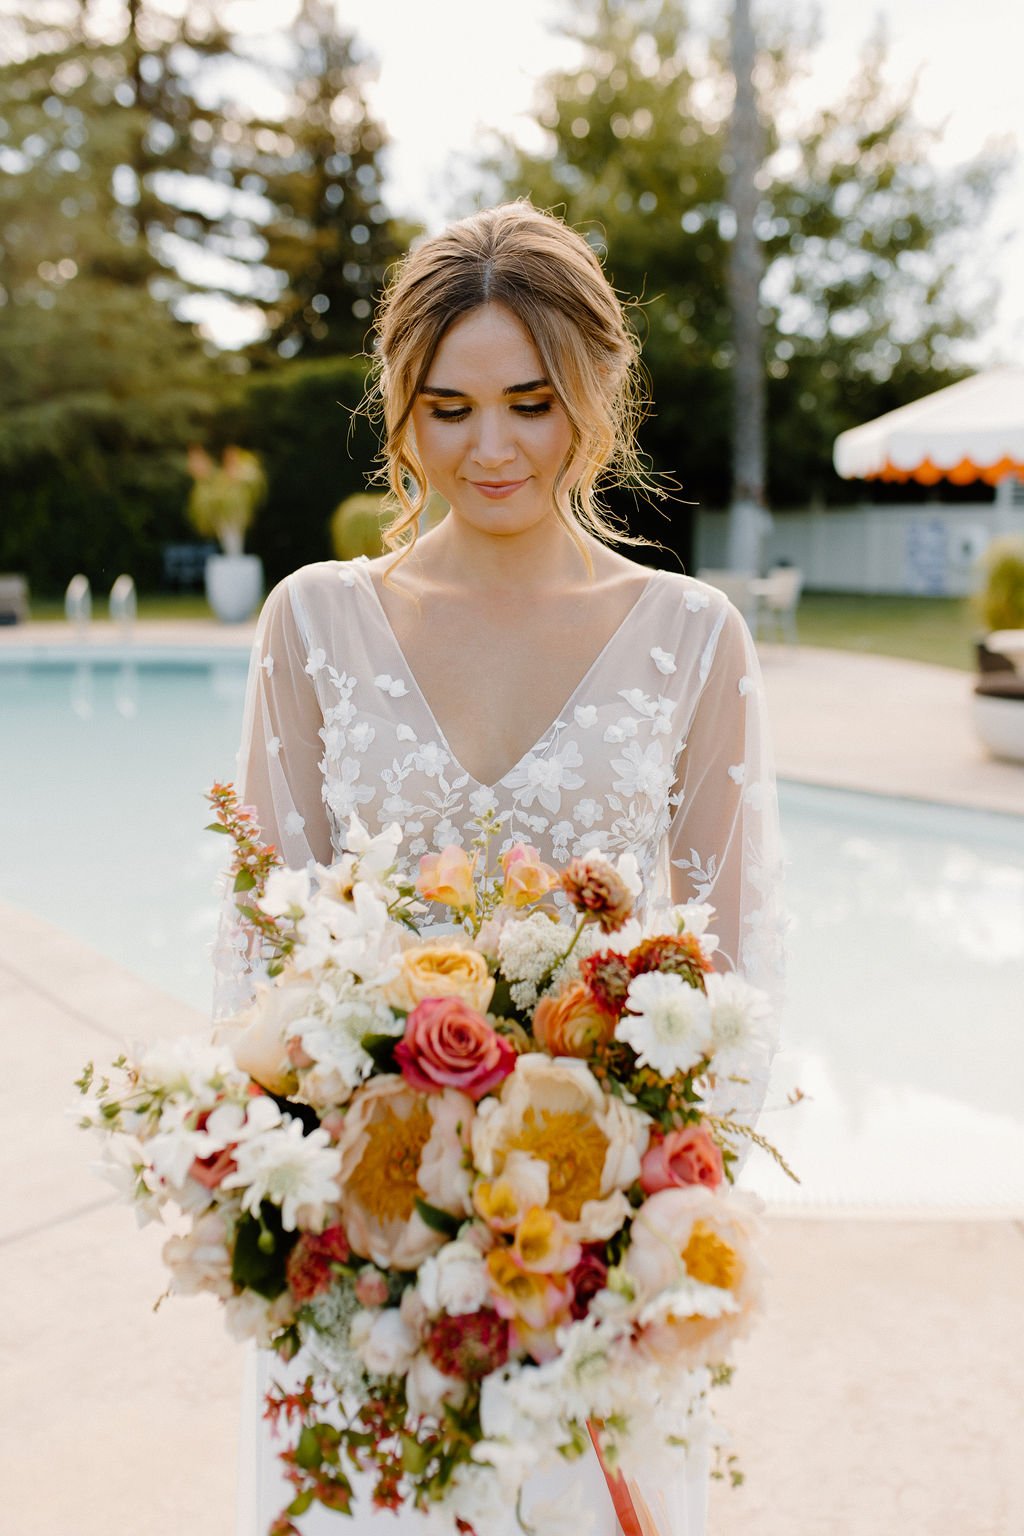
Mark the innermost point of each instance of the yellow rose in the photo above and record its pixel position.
(440, 970)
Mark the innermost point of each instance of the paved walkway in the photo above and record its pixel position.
(882, 1395)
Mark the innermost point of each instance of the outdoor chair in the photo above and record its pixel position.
(13, 600)
(776, 597)
(737, 585)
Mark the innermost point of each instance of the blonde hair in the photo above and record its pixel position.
(550, 279)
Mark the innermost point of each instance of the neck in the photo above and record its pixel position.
(534, 561)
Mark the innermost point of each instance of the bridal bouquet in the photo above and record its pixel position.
(470, 1170)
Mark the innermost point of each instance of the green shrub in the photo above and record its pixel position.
(1001, 600)
(356, 526)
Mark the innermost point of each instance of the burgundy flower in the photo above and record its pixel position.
(308, 1266)
(470, 1345)
(608, 976)
(588, 1277)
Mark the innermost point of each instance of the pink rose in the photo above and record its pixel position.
(447, 1044)
(689, 1156)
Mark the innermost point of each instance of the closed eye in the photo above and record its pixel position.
(539, 408)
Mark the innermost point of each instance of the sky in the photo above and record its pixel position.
(446, 75)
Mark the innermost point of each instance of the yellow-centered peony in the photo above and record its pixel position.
(709, 1258)
(574, 1149)
(385, 1181)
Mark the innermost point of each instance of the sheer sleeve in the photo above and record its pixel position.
(724, 844)
(278, 771)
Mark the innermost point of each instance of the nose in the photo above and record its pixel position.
(492, 445)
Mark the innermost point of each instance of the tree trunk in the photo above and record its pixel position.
(746, 267)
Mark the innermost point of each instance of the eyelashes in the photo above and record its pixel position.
(541, 408)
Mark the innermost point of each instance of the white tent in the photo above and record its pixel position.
(969, 431)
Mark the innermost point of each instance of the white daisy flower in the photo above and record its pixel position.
(741, 1021)
(668, 1023)
(297, 1172)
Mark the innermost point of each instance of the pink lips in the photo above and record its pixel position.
(497, 490)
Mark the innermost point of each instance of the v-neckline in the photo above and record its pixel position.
(362, 561)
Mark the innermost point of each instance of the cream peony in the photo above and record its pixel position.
(693, 1252)
(396, 1145)
(556, 1112)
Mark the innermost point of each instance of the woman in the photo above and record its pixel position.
(511, 659)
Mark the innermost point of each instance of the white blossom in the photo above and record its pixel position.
(668, 1023)
(297, 1172)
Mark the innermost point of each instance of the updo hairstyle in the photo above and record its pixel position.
(548, 276)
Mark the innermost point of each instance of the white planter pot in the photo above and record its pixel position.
(234, 585)
(1000, 724)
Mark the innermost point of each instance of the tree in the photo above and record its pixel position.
(329, 238)
(861, 301)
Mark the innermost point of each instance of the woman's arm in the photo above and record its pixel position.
(279, 759)
(724, 844)
(278, 774)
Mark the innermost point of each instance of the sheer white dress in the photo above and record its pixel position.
(660, 749)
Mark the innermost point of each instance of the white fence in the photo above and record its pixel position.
(931, 549)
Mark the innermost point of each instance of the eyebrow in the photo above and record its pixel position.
(529, 388)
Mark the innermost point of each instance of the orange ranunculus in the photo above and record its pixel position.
(526, 878)
(448, 877)
(572, 1024)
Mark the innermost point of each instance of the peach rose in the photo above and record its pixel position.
(398, 1145)
(441, 970)
(448, 877)
(687, 1156)
(526, 878)
(572, 1024)
(447, 1044)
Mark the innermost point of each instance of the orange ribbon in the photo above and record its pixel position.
(631, 1509)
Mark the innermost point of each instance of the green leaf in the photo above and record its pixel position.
(439, 1221)
(301, 1502)
(215, 826)
(307, 1451)
(414, 1456)
(245, 880)
(262, 1268)
(382, 1049)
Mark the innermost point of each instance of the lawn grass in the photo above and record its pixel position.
(940, 630)
(159, 605)
(935, 629)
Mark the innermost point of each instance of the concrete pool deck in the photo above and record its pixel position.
(882, 1394)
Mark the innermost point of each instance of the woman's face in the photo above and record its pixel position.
(489, 432)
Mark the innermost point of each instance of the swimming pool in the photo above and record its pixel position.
(905, 1021)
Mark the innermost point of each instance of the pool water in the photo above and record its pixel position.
(904, 1026)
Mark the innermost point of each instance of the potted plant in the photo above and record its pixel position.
(999, 691)
(222, 504)
(358, 522)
